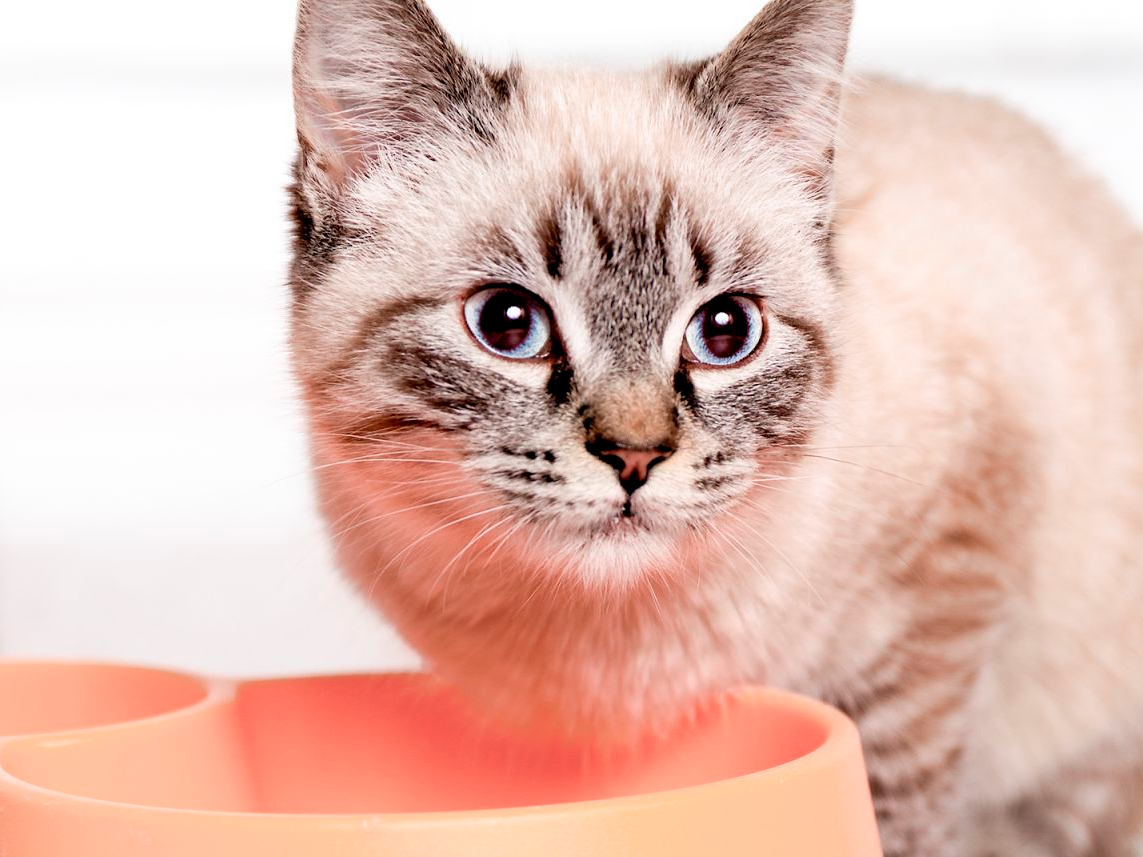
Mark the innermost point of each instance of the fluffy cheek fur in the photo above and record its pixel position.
(423, 510)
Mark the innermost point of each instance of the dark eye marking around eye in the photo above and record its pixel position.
(510, 322)
(725, 331)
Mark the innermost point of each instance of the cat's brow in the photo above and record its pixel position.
(499, 246)
(748, 259)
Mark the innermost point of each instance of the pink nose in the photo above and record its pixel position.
(633, 465)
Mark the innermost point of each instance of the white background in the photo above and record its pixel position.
(154, 503)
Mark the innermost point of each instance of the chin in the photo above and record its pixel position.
(620, 552)
(550, 633)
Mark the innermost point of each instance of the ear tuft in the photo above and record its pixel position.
(381, 80)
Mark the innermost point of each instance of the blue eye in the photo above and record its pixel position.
(510, 322)
(725, 331)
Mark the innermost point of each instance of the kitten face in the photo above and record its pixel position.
(623, 253)
(627, 223)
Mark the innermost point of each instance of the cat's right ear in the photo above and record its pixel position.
(380, 80)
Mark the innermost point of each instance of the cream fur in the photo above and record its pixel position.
(968, 500)
(1024, 276)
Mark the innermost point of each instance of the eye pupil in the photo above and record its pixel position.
(725, 328)
(505, 321)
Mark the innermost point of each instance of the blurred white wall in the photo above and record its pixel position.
(154, 503)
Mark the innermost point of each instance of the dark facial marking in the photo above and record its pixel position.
(630, 222)
(814, 337)
(711, 460)
(439, 380)
(700, 251)
(767, 402)
(499, 245)
(788, 388)
(663, 216)
(375, 322)
(447, 385)
(749, 259)
(314, 245)
(587, 419)
(685, 390)
(561, 382)
(602, 238)
(531, 476)
(551, 244)
(380, 426)
(530, 454)
(388, 313)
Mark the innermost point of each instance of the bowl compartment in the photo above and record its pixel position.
(408, 744)
(57, 697)
(191, 760)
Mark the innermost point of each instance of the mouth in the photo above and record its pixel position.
(622, 524)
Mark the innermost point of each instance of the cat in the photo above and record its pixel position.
(626, 388)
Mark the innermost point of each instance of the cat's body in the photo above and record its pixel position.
(918, 497)
(993, 307)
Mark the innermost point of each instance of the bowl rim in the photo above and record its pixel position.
(841, 742)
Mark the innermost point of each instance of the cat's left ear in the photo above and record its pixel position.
(781, 79)
(380, 80)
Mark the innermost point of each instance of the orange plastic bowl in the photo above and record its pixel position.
(121, 762)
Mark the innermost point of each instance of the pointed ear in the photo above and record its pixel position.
(782, 76)
(381, 80)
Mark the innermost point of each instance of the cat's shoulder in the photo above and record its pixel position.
(877, 109)
(918, 138)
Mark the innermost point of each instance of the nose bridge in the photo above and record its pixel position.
(635, 412)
